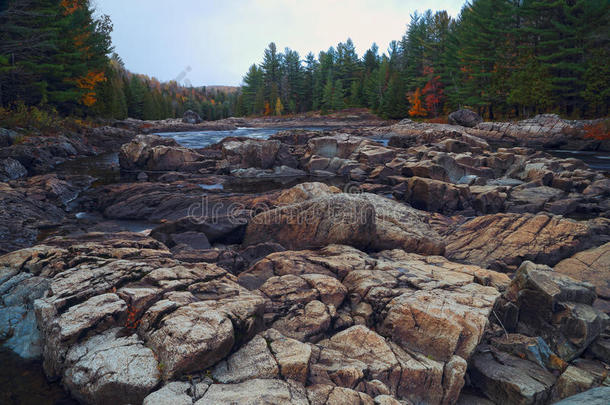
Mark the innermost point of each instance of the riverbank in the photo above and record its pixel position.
(367, 262)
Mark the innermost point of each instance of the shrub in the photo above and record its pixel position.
(46, 120)
(599, 131)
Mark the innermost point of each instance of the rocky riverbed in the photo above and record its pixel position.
(359, 262)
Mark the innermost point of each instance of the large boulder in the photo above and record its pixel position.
(465, 118)
(246, 153)
(191, 117)
(154, 152)
(557, 308)
(32, 204)
(435, 195)
(508, 379)
(365, 221)
(110, 368)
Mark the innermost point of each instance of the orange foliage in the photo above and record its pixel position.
(88, 83)
(70, 6)
(267, 108)
(417, 109)
(599, 131)
(433, 91)
(132, 322)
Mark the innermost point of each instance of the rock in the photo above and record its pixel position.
(308, 323)
(469, 398)
(154, 152)
(7, 137)
(533, 349)
(465, 118)
(503, 241)
(191, 117)
(363, 221)
(439, 323)
(190, 317)
(595, 396)
(435, 195)
(507, 379)
(246, 153)
(174, 393)
(305, 191)
(318, 222)
(254, 253)
(292, 356)
(18, 329)
(251, 361)
(592, 266)
(324, 394)
(426, 169)
(557, 308)
(384, 291)
(573, 381)
(600, 348)
(217, 229)
(198, 335)
(254, 392)
(27, 208)
(531, 199)
(109, 368)
(11, 169)
(196, 240)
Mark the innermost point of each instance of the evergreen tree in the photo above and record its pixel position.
(338, 96)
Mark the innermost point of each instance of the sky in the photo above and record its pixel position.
(213, 42)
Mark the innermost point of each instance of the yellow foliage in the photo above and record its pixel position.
(278, 107)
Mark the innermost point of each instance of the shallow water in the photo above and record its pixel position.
(23, 383)
(201, 139)
(104, 167)
(594, 159)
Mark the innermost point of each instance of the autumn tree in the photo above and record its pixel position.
(278, 107)
(432, 91)
(417, 109)
(56, 53)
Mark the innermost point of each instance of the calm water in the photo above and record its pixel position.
(23, 383)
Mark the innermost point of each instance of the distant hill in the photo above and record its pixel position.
(222, 89)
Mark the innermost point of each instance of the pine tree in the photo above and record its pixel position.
(327, 97)
(338, 96)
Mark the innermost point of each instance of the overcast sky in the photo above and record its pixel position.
(219, 39)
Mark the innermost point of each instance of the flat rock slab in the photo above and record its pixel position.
(503, 241)
(592, 266)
